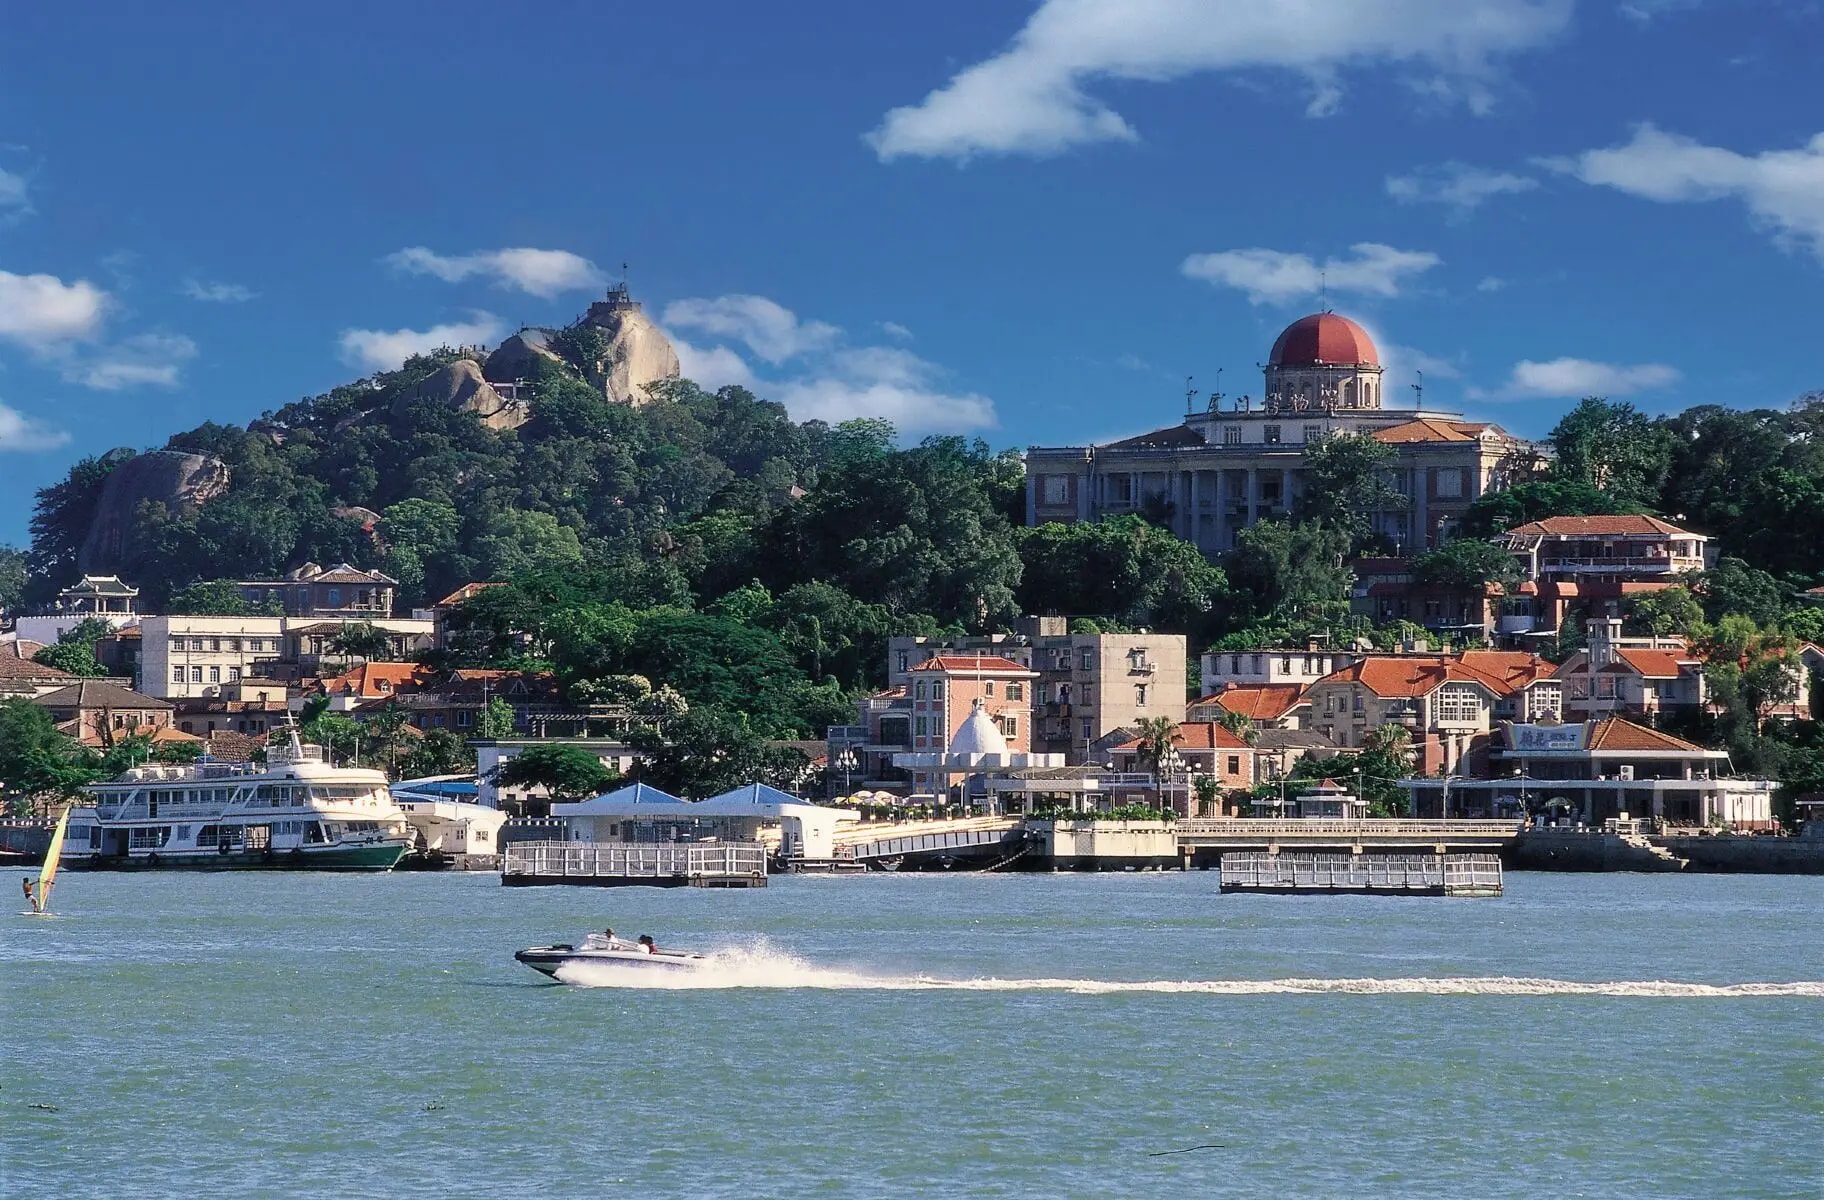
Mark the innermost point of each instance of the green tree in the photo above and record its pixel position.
(1284, 570)
(1734, 587)
(37, 762)
(12, 578)
(211, 598)
(361, 639)
(709, 751)
(565, 772)
(1673, 610)
(1497, 512)
(1344, 483)
(1468, 564)
(1612, 446)
(75, 649)
(1156, 739)
(497, 721)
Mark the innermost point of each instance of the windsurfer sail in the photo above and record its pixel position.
(40, 893)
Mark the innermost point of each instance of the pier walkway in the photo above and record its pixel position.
(665, 864)
(1206, 837)
(873, 842)
(1256, 872)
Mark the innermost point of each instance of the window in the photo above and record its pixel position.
(988, 687)
(1063, 693)
(1086, 660)
(1329, 703)
(1140, 694)
(1089, 729)
(1016, 691)
(1312, 433)
(464, 718)
(335, 597)
(196, 644)
(918, 690)
(1231, 435)
(1010, 726)
(1458, 706)
(1358, 702)
(215, 645)
(1054, 489)
(1270, 434)
(234, 674)
(921, 726)
(1449, 482)
(215, 674)
(1234, 764)
(177, 674)
(196, 674)
(902, 655)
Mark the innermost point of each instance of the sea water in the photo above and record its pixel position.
(1115, 1035)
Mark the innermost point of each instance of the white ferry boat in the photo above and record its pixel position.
(297, 812)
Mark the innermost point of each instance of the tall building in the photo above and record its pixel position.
(1238, 461)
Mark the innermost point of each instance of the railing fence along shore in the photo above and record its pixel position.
(1395, 874)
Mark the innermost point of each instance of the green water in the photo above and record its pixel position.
(298, 1035)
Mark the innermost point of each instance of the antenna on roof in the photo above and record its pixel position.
(1323, 290)
(1216, 392)
(1190, 394)
(1418, 390)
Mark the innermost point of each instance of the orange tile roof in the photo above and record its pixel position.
(1390, 676)
(1198, 735)
(1430, 429)
(374, 679)
(1613, 733)
(1654, 664)
(1514, 668)
(467, 591)
(970, 663)
(1258, 702)
(1609, 526)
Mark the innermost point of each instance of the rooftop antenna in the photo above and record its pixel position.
(1216, 392)
(1190, 394)
(1323, 290)
(1418, 390)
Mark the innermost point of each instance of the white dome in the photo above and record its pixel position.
(979, 735)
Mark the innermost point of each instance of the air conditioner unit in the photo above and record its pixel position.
(1626, 773)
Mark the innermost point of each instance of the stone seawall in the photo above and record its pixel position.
(1553, 850)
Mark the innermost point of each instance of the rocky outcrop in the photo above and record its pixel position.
(461, 385)
(639, 355)
(514, 358)
(180, 482)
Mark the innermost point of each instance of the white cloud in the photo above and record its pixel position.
(146, 358)
(769, 329)
(1031, 98)
(824, 378)
(543, 273)
(1277, 277)
(894, 329)
(1491, 283)
(1457, 186)
(218, 293)
(20, 432)
(386, 349)
(1573, 378)
(15, 199)
(1782, 189)
(39, 311)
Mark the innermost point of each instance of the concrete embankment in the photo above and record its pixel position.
(1563, 850)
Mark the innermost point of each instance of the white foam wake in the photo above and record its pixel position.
(763, 967)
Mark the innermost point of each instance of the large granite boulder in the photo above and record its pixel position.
(513, 359)
(461, 385)
(639, 354)
(181, 482)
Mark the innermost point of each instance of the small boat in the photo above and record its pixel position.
(597, 950)
(40, 896)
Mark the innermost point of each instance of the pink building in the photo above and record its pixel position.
(943, 693)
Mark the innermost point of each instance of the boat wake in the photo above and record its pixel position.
(764, 967)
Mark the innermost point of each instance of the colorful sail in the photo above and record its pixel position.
(47, 874)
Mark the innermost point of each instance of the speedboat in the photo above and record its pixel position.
(598, 950)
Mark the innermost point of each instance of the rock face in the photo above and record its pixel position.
(181, 482)
(515, 356)
(461, 385)
(638, 354)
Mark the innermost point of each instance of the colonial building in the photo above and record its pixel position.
(97, 711)
(182, 656)
(1263, 705)
(1444, 702)
(314, 591)
(1236, 463)
(944, 695)
(1566, 561)
(98, 596)
(1595, 771)
(1201, 750)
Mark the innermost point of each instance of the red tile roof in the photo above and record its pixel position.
(375, 679)
(1654, 664)
(969, 664)
(1609, 526)
(1411, 675)
(1258, 702)
(1613, 733)
(26, 669)
(1197, 735)
(1430, 429)
(467, 591)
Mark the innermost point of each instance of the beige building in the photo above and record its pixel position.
(1238, 462)
(1095, 685)
(185, 657)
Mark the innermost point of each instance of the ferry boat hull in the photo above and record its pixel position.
(380, 857)
(548, 960)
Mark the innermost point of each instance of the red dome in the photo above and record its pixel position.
(1323, 339)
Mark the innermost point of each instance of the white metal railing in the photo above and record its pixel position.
(1377, 872)
(635, 860)
(1367, 826)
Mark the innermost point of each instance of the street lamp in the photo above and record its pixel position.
(1171, 765)
(846, 760)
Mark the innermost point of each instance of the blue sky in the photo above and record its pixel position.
(1029, 221)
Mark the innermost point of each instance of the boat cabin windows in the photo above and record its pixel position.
(150, 837)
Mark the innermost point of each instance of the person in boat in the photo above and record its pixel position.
(647, 944)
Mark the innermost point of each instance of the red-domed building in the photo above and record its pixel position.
(1236, 460)
(1323, 361)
